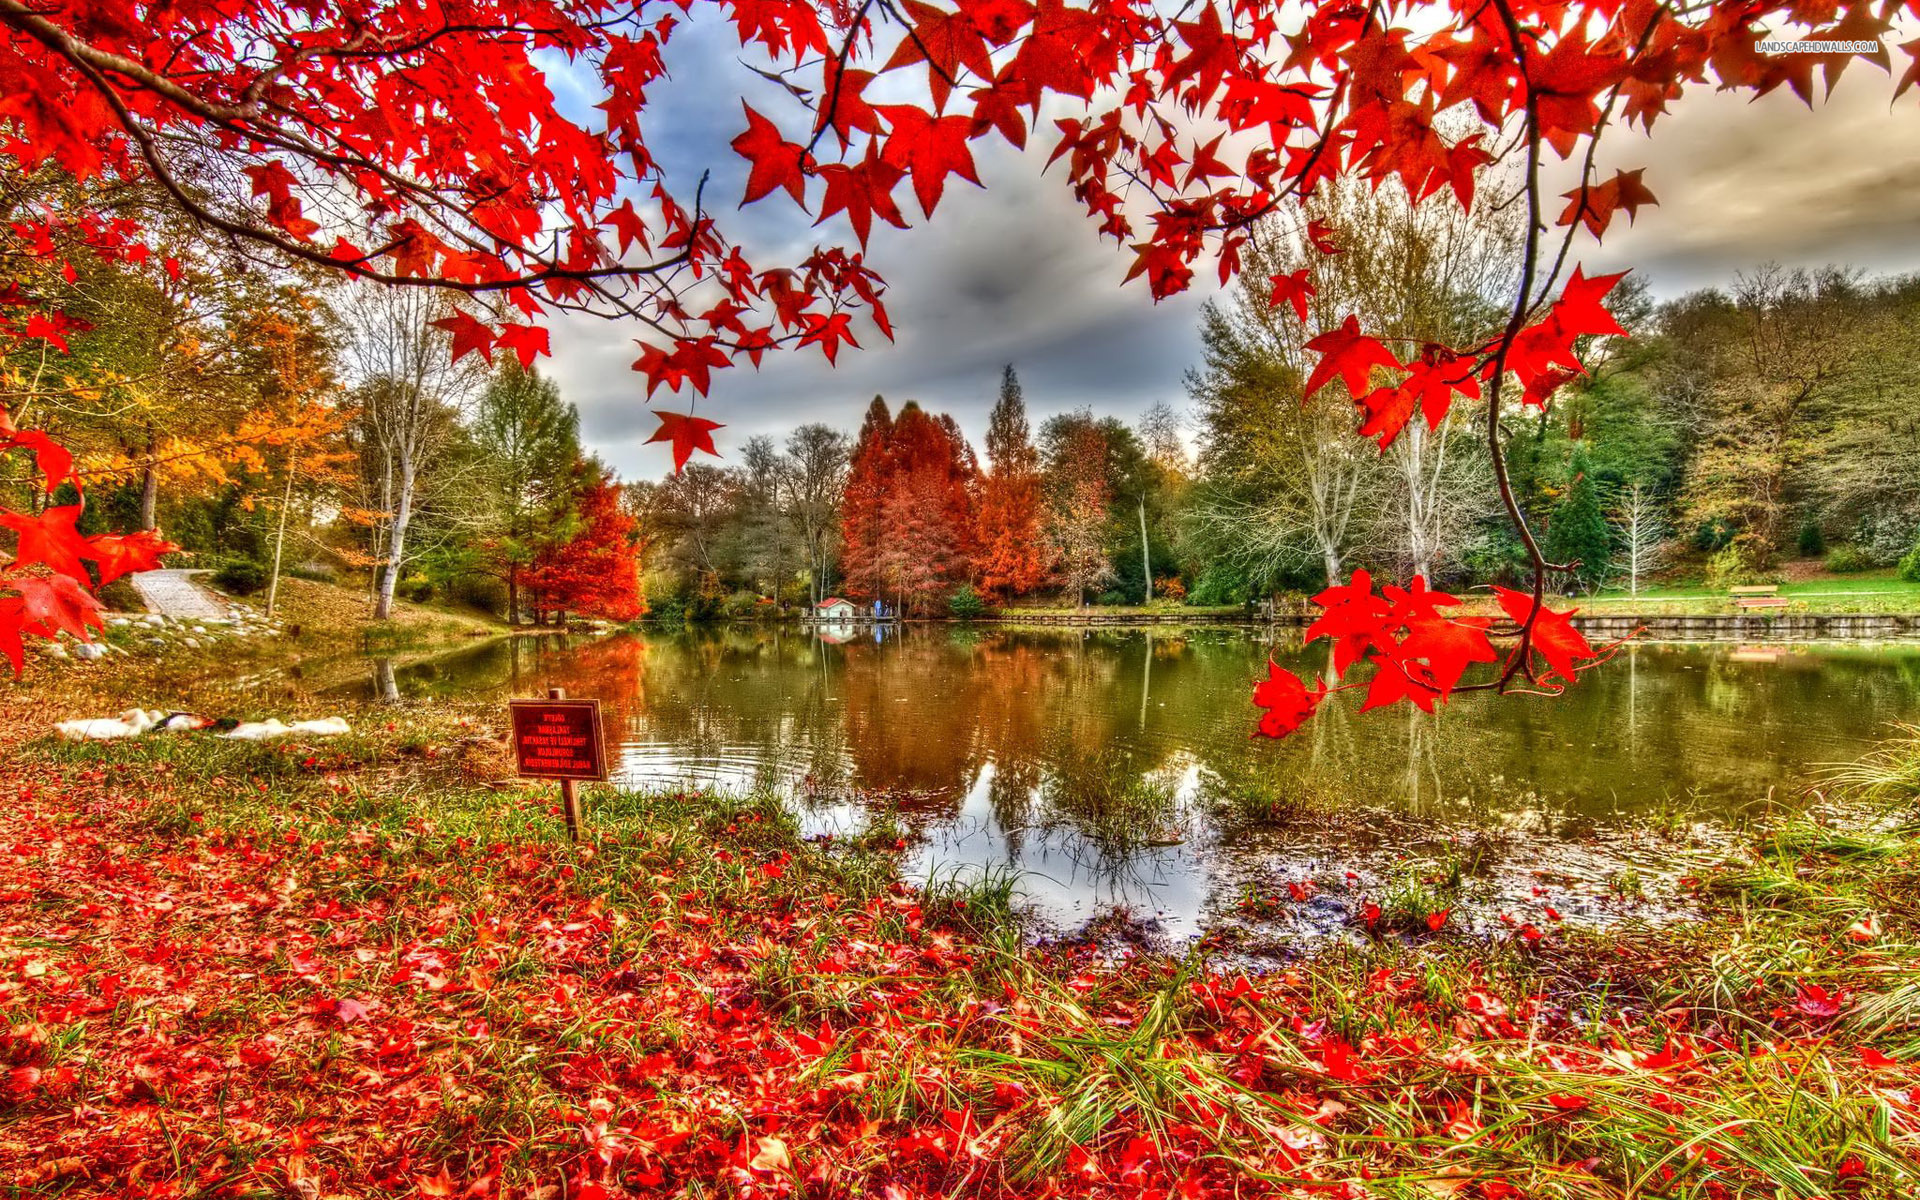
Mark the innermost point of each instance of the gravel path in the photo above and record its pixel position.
(174, 594)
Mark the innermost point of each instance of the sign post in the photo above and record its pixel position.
(558, 738)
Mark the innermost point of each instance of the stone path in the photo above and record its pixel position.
(174, 594)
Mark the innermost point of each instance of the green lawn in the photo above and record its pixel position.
(1878, 592)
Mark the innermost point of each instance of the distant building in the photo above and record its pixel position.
(833, 608)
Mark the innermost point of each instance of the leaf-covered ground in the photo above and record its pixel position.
(373, 967)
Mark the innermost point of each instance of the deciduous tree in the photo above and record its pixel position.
(1012, 556)
(528, 439)
(594, 572)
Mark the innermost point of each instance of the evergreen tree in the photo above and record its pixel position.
(1578, 531)
(529, 441)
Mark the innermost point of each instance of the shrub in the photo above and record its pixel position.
(240, 576)
(1813, 542)
(1885, 537)
(740, 606)
(1729, 568)
(1847, 558)
(415, 589)
(1219, 583)
(1910, 565)
(666, 608)
(967, 604)
(1713, 535)
(1172, 588)
(119, 596)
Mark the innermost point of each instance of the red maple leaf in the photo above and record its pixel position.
(1594, 206)
(1394, 680)
(54, 461)
(1354, 616)
(1553, 635)
(117, 554)
(689, 361)
(1816, 1001)
(929, 148)
(1288, 701)
(947, 42)
(861, 191)
(1349, 355)
(777, 163)
(1448, 647)
(628, 225)
(1293, 288)
(687, 433)
(55, 603)
(1578, 312)
(827, 332)
(470, 335)
(526, 341)
(48, 539)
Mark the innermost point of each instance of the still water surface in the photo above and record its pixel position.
(1115, 768)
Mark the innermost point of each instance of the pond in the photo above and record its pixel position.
(1113, 769)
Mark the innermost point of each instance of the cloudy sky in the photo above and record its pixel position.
(1014, 273)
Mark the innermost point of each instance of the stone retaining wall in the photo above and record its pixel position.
(1743, 627)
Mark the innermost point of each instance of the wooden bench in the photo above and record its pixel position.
(1759, 595)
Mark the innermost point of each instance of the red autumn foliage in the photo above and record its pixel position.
(907, 517)
(1011, 555)
(369, 1001)
(422, 145)
(596, 572)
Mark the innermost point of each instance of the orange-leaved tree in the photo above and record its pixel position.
(1012, 555)
(907, 517)
(596, 571)
(425, 145)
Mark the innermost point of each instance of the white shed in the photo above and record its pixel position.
(833, 608)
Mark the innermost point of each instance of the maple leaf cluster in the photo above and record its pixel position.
(1421, 654)
(45, 588)
(425, 146)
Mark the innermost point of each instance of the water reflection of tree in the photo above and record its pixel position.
(930, 710)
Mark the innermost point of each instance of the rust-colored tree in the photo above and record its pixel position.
(422, 145)
(596, 572)
(907, 518)
(1012, 557)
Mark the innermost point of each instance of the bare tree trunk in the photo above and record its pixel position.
(513, 593)
(396, 544)
(1146, 564)
(149, 487)
(280, 536)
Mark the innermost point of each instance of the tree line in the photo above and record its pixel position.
(273, 421)
(1735, 429)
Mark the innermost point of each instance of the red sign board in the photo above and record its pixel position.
(558, 739)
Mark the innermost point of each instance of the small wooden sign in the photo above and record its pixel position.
(558, 739)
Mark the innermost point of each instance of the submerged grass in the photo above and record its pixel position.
(375, 964)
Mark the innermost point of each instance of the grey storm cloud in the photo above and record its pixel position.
(1015, 273)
